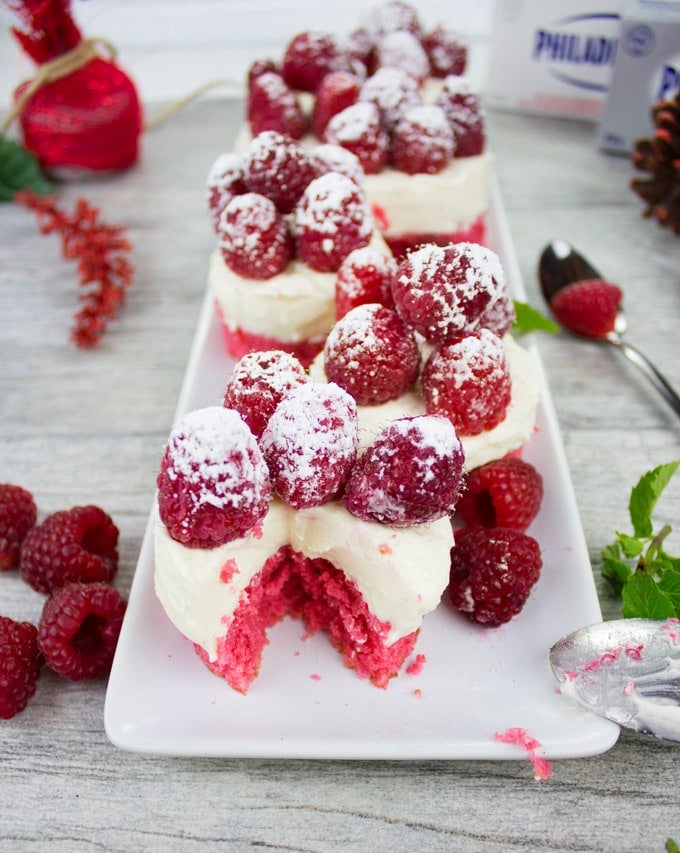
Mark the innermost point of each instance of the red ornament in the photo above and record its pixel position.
(80, 112)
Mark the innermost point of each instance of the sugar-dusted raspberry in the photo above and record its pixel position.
(506, 492)
(401, 49)
(78, 544)
(331, 219)
(277, 167)
(260, 67)
(588, 308)
(359, 130)
(337, 90)
(372, 354)
(422, 141)
(310, 443)
(213, 485)
(464, 114)
(447, 51)
(259, 382)
(272, 105)
(441, 290)
(410, 474)
(394, 92)
(18, 514)
(492, 573)
(499, 314)
(468, 380)
(308, 57)
(391, 16)
(366, 275)
(225, 180)
(20, 665)
(79, 629)
(253, 237)
(334, 158)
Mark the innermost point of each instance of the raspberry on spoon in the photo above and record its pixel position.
(588, 308)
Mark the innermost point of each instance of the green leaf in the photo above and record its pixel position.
(642, 598)
(670, 587)
(20, 170)
(672, 846)
(630, 546)
(614, 569)
(645, 494)
(528, 319)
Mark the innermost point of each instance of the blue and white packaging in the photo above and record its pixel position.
(553, 57)
(646, 71)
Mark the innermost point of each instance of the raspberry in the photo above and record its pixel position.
(588, 307)
(213, 485)
(331, 219)
(366, 275)
(468, 380)
(258, 384)
(18, 514)
(260, 67)
(310, 443)
(307, 59)
(401, 49)
(358, 129)
(464, 114)
(277, 167)
(410, 474)
(78, 544)
(225, 180)
(441, 290)
(499, 315)
(20, 665)
(253, 237)
(446, 51)
(504, 493)
(492, 573)
(394, 92)
(79, 629)
(372, 354)
(272, 105)
(391, 16)
(422, 141)
(336, 91)
(334, 158)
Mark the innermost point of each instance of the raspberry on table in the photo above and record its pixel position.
(442, 290)
(365, 275)
(18, 514)
(310, 443)
(493, 571)
(468, 380)
(588, 308)
(411, 473)
(277, 167)
(213, 484)
(331, 219)
(260, 380)
(225, 180)
(79, 629)
(20, 665)
(422, 141)
(358, 128)
(337, 90)
(447, 51)
(78, 544)
(272, 105)
(253, 237)
(464, 114)
(307, 59)
(506, 492)
(372, 354)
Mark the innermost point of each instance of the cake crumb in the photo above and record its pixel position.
(416, 665)
(315, 677)
(522, 738)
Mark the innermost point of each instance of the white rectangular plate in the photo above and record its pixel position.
(305, 704)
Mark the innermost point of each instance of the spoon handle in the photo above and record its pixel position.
(640, 360)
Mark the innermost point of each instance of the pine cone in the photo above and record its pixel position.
(660, 157)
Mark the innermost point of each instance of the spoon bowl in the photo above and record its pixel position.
(627, 670)
(560, 265)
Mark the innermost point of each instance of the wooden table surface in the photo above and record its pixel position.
(88, 427)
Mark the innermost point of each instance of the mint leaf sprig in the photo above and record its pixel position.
(637, 565)
(529, 319)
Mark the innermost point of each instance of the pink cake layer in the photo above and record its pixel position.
(401, 244)
(322, 596)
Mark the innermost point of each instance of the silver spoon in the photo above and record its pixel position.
(560, 264)
(627, 670)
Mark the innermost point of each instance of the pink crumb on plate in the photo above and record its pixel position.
(520, 737)
(416, 665)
